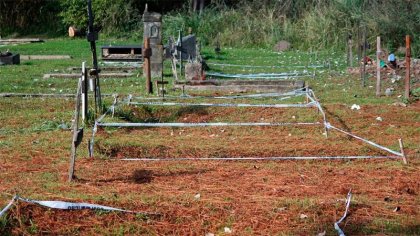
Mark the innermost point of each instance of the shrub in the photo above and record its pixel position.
(112, 16)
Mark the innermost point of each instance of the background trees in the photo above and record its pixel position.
(306, 23)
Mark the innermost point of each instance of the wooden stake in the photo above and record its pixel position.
(180, 53)
(407, 66)
(359, 52)
(378, 66)
(147, 53)
(75, 131)
(363, 71)
(350, 51)
(402, 151)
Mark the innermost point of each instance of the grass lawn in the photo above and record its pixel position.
(250, 197)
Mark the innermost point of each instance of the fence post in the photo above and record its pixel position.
(378, 66)
(147, 53)
(363, 71)
(76, 139)
(407, 66)
(350, 51)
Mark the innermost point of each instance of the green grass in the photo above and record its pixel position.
(34, 153)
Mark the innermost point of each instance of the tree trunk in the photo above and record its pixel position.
(73, 32)
(201, 6)
(194, 5)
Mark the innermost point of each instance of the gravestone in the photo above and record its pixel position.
(9, 58)
(153, 30)
(194, 71)
(189, 47)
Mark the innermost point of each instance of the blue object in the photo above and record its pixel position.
(391, 57)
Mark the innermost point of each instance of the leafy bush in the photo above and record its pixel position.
(112, 16)
(28, 17)
(306, 24)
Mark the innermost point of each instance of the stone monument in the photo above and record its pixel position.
(153, 30)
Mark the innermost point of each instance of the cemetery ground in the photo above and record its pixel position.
(199, 197)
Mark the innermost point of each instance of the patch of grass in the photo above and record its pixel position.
(35, 153)
(4, 225)
(402, 225)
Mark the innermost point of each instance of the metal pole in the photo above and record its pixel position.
(378, 66)
(92, 36)
(407, 66)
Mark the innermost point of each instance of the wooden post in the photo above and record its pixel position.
(173, 65)
(378, 66)
(350, 52)
(74, 32)
(147, 53)
(74, 143)
(180, 53)
(402, 151)
(407, 66)
(359, 52)
(363, 71)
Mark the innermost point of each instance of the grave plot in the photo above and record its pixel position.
(243, 127)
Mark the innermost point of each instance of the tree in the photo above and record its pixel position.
(197, 6)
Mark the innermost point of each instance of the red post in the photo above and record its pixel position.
(147, 53)
(407, 66)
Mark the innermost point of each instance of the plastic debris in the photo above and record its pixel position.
(63, 126)
(355, 107)
(303, 216)
(322, 233)
(399, 104)
(228, 230)
(389, 91)
(197, 196)
(280, 209)
(379, 118)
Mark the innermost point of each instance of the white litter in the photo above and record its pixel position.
(228, 230)
(355, 107)
(303, 216)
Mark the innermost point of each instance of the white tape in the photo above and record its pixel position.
(223, 104)
(329, 126)
(68, 206)
(72, 206)
(199, 124)
(255, 158)
(297, 92)
(252, 66)
(336, 227)
(6, 208)
(260, 76)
